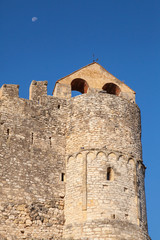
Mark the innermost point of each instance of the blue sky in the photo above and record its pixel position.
(123, 34)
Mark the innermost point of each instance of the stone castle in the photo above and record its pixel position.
(71, 168)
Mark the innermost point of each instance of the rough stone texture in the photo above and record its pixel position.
(71, 168)
(32, 157)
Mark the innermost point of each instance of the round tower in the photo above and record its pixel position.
(105, 195)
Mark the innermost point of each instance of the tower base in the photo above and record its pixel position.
(104, 230)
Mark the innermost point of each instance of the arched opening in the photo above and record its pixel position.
(78, 86)
(110, 174)
(112, 88)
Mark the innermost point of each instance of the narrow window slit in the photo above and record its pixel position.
(7, 133)
(50, 141)
(63, 177)
(113, 216)
(58, 106)
(110, 174)
(32, 138)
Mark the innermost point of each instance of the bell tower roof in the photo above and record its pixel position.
(89, 78)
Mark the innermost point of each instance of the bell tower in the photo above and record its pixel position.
(105, 195)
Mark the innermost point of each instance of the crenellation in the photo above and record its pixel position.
(37, 89)
(9, 90)
(72, 168)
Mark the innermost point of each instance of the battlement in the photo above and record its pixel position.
(89, 79)
(9, 90)
(37, 89)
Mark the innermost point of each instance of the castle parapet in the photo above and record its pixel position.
(37, 89)
(9, 90)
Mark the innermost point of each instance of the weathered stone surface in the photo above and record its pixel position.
(71, 168)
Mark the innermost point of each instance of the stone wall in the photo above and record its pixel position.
(105, 229)
(32, 160)
(104, 120)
